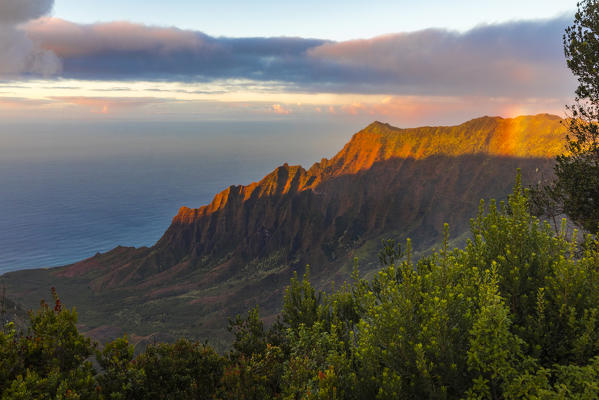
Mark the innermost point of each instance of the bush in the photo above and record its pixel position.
(514, 314)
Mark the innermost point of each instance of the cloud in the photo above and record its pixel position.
(18, 53)
(123, 50)
(407, 111)
(13, 12)
(279, 109)
(106, 105)
(20, 102)
(516, 59)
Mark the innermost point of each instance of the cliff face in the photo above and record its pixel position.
(293, 208)
(241, 248)
(523, 137)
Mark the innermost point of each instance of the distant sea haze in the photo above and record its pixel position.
(70, 190)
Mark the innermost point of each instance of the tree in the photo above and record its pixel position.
(301, 302)
(181, 370)
(514, 314)
(50, 360)
(575, 190)
(121, 378)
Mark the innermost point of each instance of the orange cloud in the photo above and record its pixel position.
(279, 109)
(106, 105)
(417, 110)
(18, 103)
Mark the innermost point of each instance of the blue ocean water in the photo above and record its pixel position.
(69, 190)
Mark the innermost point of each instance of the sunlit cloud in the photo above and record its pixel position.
(279, 109)
(406, 110)
(106, 105)
(513, 59)
(127, 70)
(208, 101)
(19, 103)
(508, 59)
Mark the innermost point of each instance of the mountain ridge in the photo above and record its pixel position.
(500, 141)
(243, 246)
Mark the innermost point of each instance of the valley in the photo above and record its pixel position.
(240, 250)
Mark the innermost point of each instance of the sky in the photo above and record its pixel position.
(404, 62)
(334, 20)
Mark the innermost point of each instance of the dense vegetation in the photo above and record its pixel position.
(575, 189)
(514, 314)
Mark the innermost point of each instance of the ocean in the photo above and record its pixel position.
(69, 190)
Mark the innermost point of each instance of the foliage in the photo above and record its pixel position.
(250, 336)
(513, 314)
(302, 304)
(121, 379)
(575, 190)
(182, 370)
(48, 361)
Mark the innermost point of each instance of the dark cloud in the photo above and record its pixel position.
(510, 59)
(19, 55)
(122, 50)
(16, 11)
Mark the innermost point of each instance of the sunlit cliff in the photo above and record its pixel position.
(539, 136)
(241, 249)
